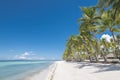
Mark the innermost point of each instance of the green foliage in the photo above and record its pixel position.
(86, 45)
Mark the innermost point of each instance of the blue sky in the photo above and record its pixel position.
(38, 29)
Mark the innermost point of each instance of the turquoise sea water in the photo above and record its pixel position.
(19, 70)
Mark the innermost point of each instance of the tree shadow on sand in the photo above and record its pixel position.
(99, 66)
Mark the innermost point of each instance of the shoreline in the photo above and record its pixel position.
(44, 74)
(85, 71)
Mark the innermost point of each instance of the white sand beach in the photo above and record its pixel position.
(62, 70)
(84, 71)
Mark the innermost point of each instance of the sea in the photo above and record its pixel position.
(21, 69)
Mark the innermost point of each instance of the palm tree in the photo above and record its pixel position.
(83, 41)
(89, 23)
(114, 4)
(67, 54)
(104, 49)
(72, 48)
(86, 45)
(108, 23)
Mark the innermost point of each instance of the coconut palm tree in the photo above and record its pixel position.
(108, 23)
(86, 45)
(104, 49)
(89, 23)
(72, 47)
(67, 54)
(85, 39)
(114, 4)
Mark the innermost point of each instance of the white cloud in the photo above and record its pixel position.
(25, 55)
(28, 56)
(22, 57)
(107, 37)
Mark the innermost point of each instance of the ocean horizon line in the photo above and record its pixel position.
(30, 60)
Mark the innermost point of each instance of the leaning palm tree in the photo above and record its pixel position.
(108, 23)
(86, 45)
(72, 45)
(67, 54)
(88, 26)
(111, 9)
(104, 49)
(114, 4)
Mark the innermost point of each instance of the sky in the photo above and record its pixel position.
(38, 29)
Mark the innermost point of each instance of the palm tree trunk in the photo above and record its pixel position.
(104, 57)
(98, 52)
(115, 42)
(113, 35)
(90, 58)
(91, 45)
(96, 57)
(116, 9)
(114, 17)
(114, 52)
(89, 55)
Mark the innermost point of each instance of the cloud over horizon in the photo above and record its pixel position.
(25, 55)
(28, 56)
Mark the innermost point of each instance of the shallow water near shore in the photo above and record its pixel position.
(20, 70)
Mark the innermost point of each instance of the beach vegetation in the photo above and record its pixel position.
(95, 21)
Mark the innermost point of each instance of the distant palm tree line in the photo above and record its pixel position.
(96, 20)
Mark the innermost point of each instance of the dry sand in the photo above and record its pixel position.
(85, 71)
(62, 70)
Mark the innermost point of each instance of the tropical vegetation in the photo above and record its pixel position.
(104, 17)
